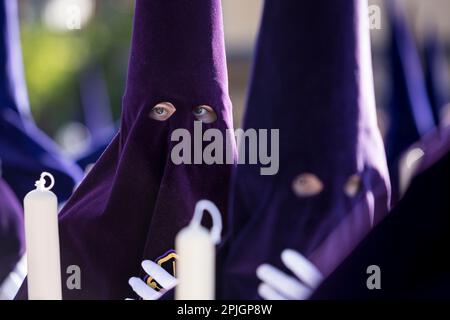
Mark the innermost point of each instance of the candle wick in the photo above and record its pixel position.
(40, 184)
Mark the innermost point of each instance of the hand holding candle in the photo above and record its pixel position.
(196, 255)
(42, 241)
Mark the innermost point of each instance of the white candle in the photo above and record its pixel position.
(195, 247)
(42, 241)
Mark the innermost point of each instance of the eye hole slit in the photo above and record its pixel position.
(162, 111)
(205, 114)
(307, 185)
(352, 186)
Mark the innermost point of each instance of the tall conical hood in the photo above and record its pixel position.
(312, 80)
(136, 198)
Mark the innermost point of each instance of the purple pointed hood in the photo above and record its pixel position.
(426, 152)
(135, 200)
(312, 80)
(12, 242)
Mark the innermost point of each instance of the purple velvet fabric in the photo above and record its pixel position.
(135, 200)
(312, 79)
(12, 242)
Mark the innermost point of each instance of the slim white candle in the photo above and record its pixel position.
(195, 247)
(42, 241)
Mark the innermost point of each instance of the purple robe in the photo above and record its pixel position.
(312, 80)
(135, 200)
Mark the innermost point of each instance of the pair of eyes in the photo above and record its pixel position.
(164, 110)
(308, 185)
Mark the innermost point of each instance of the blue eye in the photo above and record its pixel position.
(162, 111)
(200, 111)
(159, 111)
(205, 114)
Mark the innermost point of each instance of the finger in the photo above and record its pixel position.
(143, 290)
(284, 284)
(267, 293)
(302, 268)
(165, 279)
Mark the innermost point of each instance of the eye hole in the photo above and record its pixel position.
(307, 185)
(162, 111)
(205, 114)
(352, 186)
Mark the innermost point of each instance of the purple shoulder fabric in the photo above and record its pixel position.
(312, 80)
(135, 200)
(12, 241)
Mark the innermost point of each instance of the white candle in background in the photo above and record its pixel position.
(195, 264)
(195, 246)
(42, 242)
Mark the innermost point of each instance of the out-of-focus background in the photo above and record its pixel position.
(59, 57)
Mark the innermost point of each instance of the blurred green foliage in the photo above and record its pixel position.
(54, 61)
